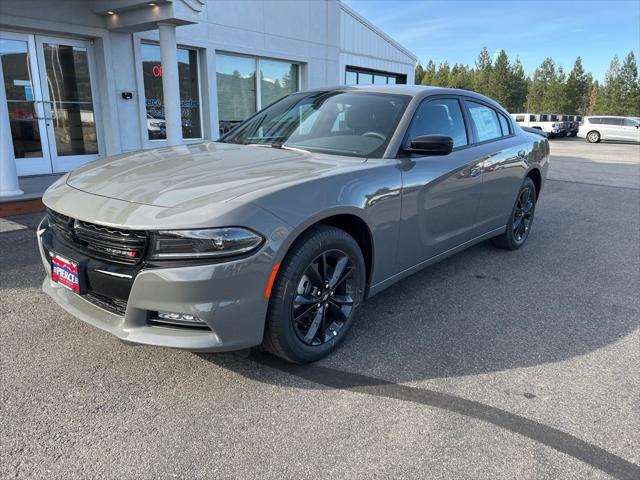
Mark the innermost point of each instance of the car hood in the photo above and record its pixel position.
(208, 172)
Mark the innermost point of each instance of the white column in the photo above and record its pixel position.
(170, 86)
(8, 173)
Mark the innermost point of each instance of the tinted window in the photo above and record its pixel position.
(504, 123)
(341, 123)
(628, 122)
(485, 120)
(612, 121)
(440, 117)
(544, 118)
(595, 120)
(532, 118)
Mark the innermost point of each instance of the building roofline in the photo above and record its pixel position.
(376, 30)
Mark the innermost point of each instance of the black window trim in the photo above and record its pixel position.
(497, 111)
(465, 118)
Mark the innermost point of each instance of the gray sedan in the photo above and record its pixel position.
(275, 234)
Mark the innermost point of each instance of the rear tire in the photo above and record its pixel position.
(520, 220)
(593, 136)
(317, 293)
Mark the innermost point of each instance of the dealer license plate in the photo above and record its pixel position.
(65, 272)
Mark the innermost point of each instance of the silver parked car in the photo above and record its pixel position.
(599, 128)
(276, 233)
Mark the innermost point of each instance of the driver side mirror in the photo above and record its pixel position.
(431, 145)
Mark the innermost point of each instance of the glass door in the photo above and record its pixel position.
(67, 76)
(26, 107)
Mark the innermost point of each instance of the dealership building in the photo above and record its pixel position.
(84, 79)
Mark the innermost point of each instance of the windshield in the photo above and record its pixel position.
(336, 122)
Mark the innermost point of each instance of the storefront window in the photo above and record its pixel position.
(236, 81)
(359, 76)
(238, 97)
(277, 79)
(189, 92)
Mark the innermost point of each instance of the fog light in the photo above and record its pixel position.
(179, 319)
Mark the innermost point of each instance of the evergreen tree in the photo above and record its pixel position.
(593, 99)
(629, 87)
(554, 99)
(518, 86)
(540, 83)
(429, 73)
(482, 77)
(577, 89)
(419, 74)
(500, 81)
(609, 101)
(441, 78)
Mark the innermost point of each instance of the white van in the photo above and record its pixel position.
(599, 128)
(541, 122)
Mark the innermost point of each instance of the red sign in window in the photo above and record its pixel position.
(157, 70)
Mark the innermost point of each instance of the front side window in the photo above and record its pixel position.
(335, 122)
(629, 122)
(440, 117)
(485, 120)
(154, 95)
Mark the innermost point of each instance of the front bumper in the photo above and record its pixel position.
(228, 296)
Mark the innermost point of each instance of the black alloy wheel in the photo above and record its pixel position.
(517, 230)
(324, 298)
(523, 215)
(316, 295)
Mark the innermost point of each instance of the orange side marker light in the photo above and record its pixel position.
(272, 279)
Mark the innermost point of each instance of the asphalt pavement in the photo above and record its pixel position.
(490, 364)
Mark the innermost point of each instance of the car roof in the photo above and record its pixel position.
(412, 90)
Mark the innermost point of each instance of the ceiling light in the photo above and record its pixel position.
(151, 4)
(111, 12)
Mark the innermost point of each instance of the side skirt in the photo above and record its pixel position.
(380, 286)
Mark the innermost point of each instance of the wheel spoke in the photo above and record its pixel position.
(315, 325)
(315, 276)
(342, 300)
(338, 314)
(323, 270)
(341, 264)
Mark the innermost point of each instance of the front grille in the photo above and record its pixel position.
(113, 305)
(122, 246)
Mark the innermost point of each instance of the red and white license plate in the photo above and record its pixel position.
(65, 272)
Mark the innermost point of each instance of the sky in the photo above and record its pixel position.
(456, 30)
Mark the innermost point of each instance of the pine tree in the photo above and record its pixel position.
(629, 87)
(609, 102)
(442, 75)
(419, 74)
(482, 77)
(577, 89)
(540, 83)
(593, 99)
(518, 86)
(429, 73)
(499, 81)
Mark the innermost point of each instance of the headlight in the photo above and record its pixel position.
(209, 243)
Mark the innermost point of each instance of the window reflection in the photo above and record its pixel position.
(277, 79)
(154, 97)
(25, 132)
(69, 86)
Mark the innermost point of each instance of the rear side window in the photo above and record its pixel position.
(613, 121)
(544, 118)
(629, 122)
(519, 118)
(595, 120)
(532, 118)
(485, 120)
(441, 116)
(504, 124)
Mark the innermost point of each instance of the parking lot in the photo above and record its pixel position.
(490, 364)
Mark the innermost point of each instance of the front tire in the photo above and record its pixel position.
(520, 220)
(593, 137)
(316, 296)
